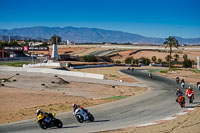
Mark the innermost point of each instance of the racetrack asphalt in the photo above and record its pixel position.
(155, 104)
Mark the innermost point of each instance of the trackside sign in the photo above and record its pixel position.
(25, 48)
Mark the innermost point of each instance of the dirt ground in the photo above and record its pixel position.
(23, 94)
(20, 104)
(187, 74)
(111, 73)
(149, 54)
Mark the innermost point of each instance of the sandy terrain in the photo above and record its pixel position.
(149, 54)
(111, 73)
(24, 93)
(20, 104)
(186, 74)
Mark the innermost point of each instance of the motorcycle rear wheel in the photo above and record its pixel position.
(190, 100)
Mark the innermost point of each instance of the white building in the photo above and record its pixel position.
(69, 42)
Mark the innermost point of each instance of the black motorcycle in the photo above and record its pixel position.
(48, 120)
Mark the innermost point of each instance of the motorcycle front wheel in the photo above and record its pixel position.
(42, 125)
(91, 117)
(58, 123)
(79, 118)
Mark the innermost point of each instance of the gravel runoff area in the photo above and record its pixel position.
(24, 92)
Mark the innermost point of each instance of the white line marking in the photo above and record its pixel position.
(169, 118)
(147, 124)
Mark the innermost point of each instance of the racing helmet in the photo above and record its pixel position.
(74, 105)
(38, 111)
(178, 89)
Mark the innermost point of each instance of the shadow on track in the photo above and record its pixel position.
(65, 127)
(101, 120)
(196, 102)
(190, 106)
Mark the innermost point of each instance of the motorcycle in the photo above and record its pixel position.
(177, 80)
(198, 86)
(48, 120)
(190, 95)
(83, 115)
(150, 75)
(181, 101)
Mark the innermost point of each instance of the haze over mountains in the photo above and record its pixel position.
(87, 35)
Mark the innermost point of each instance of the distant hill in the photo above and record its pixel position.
(89, 35)
(6, 38)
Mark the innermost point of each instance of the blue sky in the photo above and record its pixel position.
(152, 18)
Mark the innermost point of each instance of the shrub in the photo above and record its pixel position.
(159, 61)
(129, 60)
(145, 60)
(118, 62)
(187, 63)
(90, 58)
(153, 59)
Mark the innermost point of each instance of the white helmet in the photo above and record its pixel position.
(38, 110)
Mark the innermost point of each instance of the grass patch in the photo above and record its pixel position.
(14, 64)
(164, 71)
(154, 70)
(196, 71)
(112, 75)
(175, 69)
(95, 52)
(115, 98)
(4, 80)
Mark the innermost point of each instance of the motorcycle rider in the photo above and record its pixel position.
(198, 85)
(83, 111)
(40, 112)
(189, 91)
(182, 81)
(150, 75)
(179, 93)
(177, 79)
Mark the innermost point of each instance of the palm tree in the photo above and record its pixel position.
(171, 42)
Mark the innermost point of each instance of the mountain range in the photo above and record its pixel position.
(87, 35)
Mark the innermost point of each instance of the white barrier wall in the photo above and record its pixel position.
(53, 71)
(198, 62)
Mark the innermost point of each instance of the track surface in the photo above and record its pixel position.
(155, 104)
